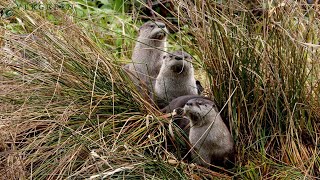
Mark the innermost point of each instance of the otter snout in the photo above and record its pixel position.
(178, 68)
(178, 58)
(193, 103)
(189, 108)
(161, 25)
(159, 35)
(159, 31)
(178, 64)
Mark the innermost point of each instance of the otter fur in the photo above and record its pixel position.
(210, 137)
(176, 78)
(147, 55)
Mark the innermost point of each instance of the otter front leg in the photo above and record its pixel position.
(178, 112)
(180, 120)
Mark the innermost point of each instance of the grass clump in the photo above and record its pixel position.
(68, 97)
(69, 111)
(264, 67)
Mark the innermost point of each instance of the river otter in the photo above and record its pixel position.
(148, 52)
(176, 108)
(176, 78)
(212, 141)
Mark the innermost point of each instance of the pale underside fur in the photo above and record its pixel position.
(147, 59)
(211, 139)
(170, 85)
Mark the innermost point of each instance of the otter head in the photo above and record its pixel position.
(198, 108)
(178, 62)
(153, 30)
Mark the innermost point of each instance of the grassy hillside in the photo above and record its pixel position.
(69, 111)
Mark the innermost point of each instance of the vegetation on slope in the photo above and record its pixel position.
(69, 111)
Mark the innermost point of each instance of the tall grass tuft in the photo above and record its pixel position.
(67, 108)
(265, 69)
(69, 111)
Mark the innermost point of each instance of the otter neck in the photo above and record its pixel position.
(201, 120)
(151, 43)
(148, 52)
(181, 78)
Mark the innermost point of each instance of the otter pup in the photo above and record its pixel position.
(208, 134)
(176, 78)
(147, 54)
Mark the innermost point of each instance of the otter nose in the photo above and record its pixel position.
(178, 58)
(162, 26)
(189, 104)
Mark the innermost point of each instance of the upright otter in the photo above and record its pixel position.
(208, 134)
(148, 51)
(176, 78)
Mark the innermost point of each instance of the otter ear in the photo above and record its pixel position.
(139, 30)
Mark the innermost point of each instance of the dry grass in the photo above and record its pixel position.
(69, 111)
(269, 66)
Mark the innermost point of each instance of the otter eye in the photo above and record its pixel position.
(164, 57)
(152, 26)
(199, 103)
(185, 57)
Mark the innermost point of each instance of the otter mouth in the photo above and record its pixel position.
(195, 117)
(159, 35)
(178, 68)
